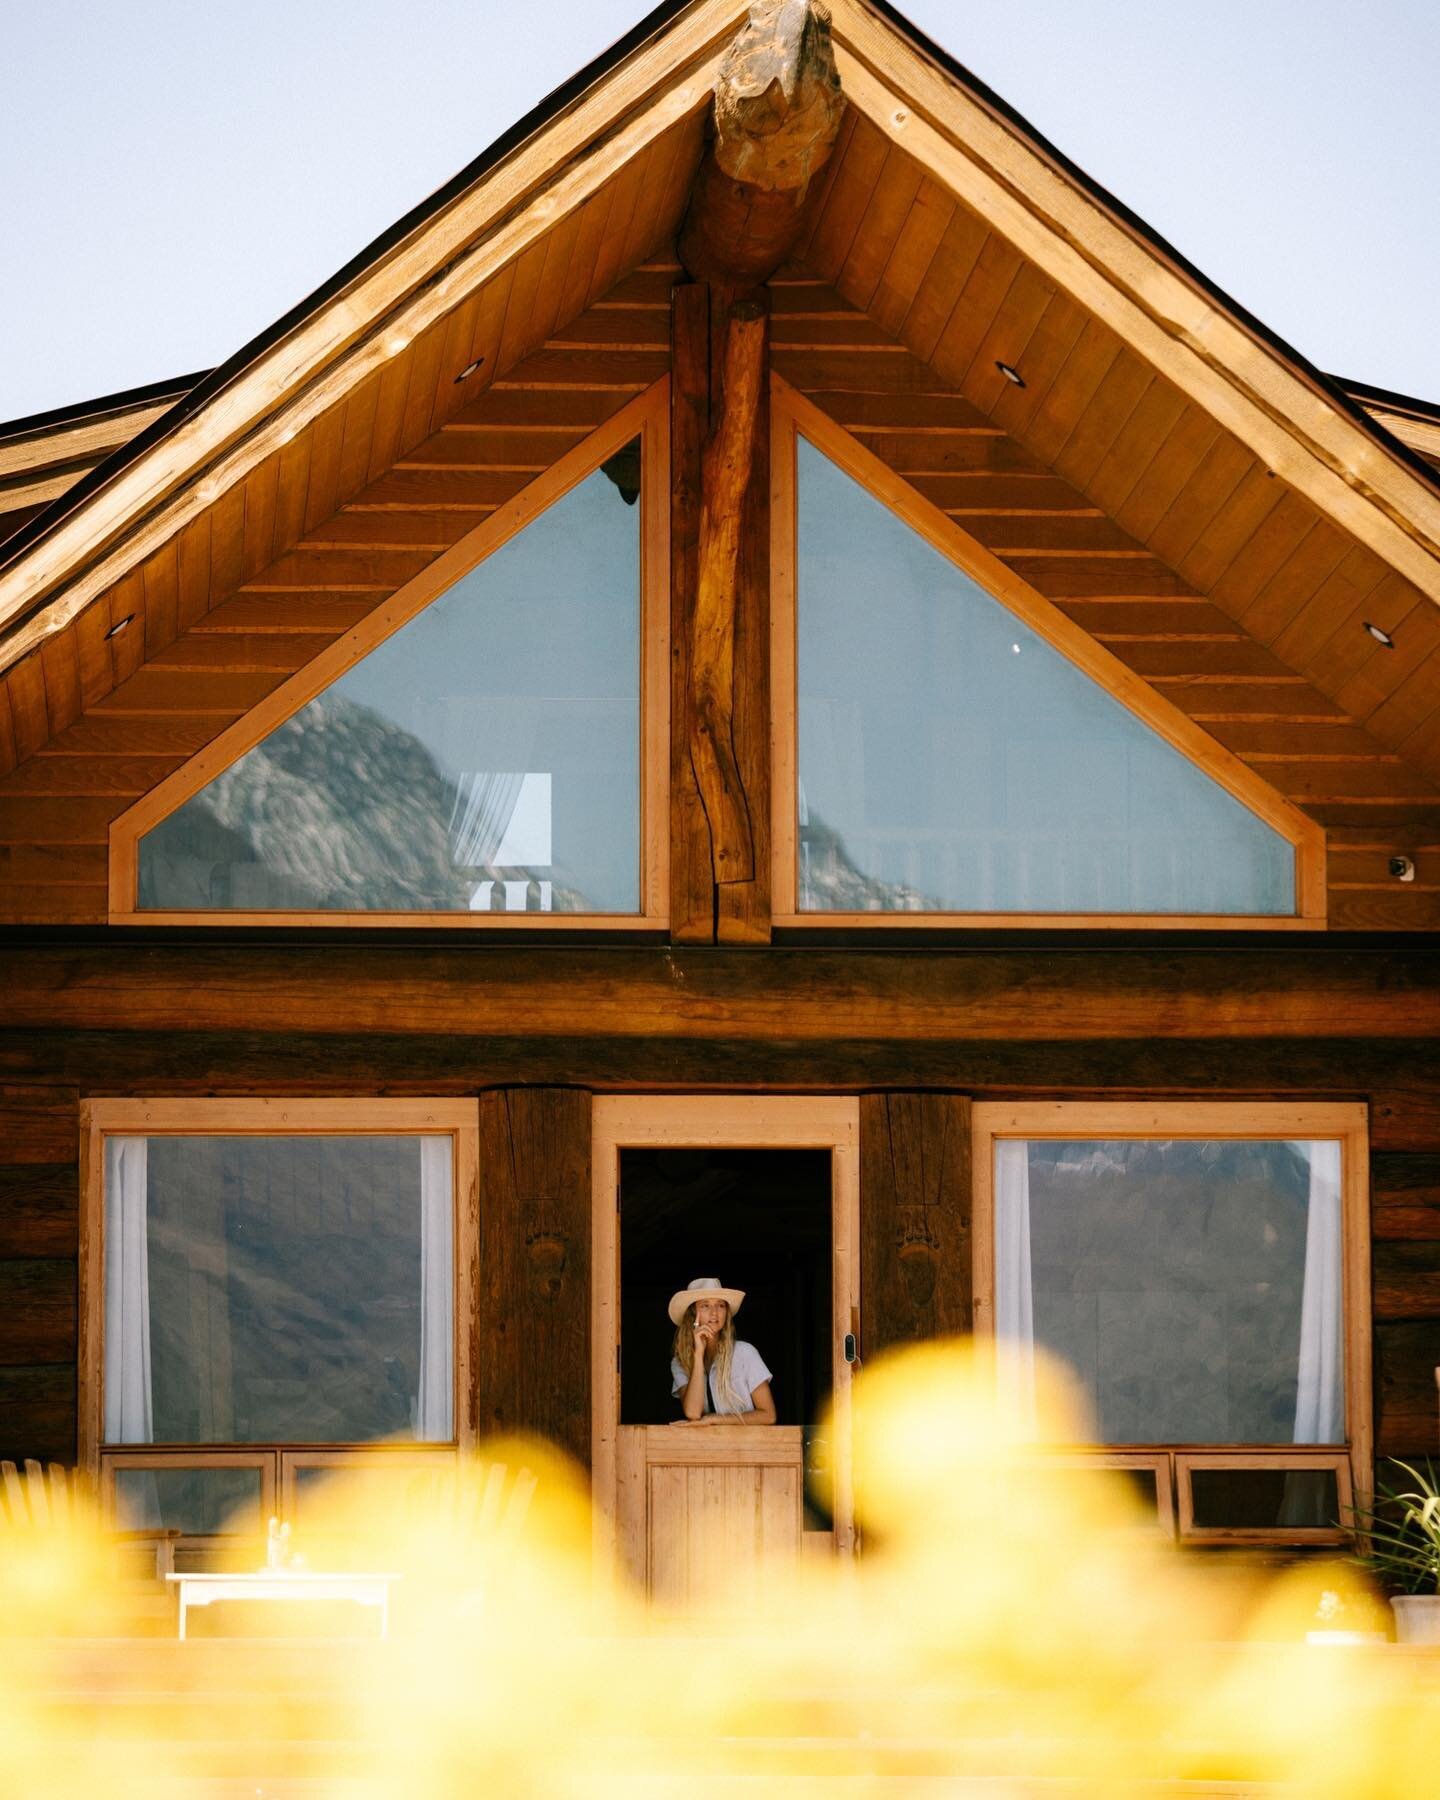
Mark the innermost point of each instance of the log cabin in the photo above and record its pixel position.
(980, 873)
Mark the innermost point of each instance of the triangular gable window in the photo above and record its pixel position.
(951, 760)
(483, 759)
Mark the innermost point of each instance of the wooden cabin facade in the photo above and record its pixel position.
(768, 675)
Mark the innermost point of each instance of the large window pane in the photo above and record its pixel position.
(484, 758)
(951, 760)
(278, 1289)
(1193, 1287)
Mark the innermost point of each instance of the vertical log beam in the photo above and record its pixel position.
(530, 1345)
(914, 1218)
(724, 484)
(720, 617)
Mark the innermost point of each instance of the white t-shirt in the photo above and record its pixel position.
(747, 1371)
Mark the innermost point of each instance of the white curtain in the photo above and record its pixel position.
(1320, 1396)
(129, 1410)
(434, 1407)
(1014, 1299)
(479, 817)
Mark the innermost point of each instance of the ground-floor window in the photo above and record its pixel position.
(271, 1287)
(1202, 1270)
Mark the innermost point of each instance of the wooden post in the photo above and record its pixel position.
(720, 847)
(914, 1218)
(531, 1333)
(777, 112)
(724, 482)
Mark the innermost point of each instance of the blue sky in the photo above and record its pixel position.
(178, 174)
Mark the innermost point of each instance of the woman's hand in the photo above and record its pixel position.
(704, 1343)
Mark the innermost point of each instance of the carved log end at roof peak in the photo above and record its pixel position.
(777, 97)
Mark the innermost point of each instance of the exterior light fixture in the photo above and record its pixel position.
(470, 369)
(1010, 374)
(119, 626)
(1402, 868)
(1380, 635)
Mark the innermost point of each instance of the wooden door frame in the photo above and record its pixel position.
(739, 1122)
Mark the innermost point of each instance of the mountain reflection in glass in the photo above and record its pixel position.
(484, 758)
(279, 1290)
(951, 760)
(1194, 1288)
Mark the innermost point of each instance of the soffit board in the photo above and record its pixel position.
(1043, 525)
(947, 281)
(1090, 244)
(531, 183)
(164, 702)
(202, 555)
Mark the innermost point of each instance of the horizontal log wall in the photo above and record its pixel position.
(154, 1018)
(39, 1248)
(1405, 1265)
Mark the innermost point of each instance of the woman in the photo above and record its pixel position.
(718, 1378)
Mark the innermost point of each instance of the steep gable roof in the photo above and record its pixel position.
(1200, 469)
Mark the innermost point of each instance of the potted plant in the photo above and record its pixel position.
(1403, 1549)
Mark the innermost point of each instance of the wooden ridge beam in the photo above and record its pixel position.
(777, 114)
(713, 996)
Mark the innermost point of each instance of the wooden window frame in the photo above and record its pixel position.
(144, 1457)
(396, 1456)
(793, 416)
(1158, 1462)
(646, 417)
(457, 1119)
(1188, 1461)
(1101, 1121)
(739, 1122)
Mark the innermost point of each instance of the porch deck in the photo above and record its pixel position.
(226, 1717)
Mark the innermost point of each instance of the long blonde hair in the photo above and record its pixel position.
(724, 1354)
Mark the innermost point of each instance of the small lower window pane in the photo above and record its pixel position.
(1137, 1484)
(198, 1502)
(387, 1489)
(1264, 1499)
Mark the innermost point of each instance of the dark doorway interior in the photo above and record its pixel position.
(756, 1219)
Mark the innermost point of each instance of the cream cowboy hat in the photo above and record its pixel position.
(704, 1287)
